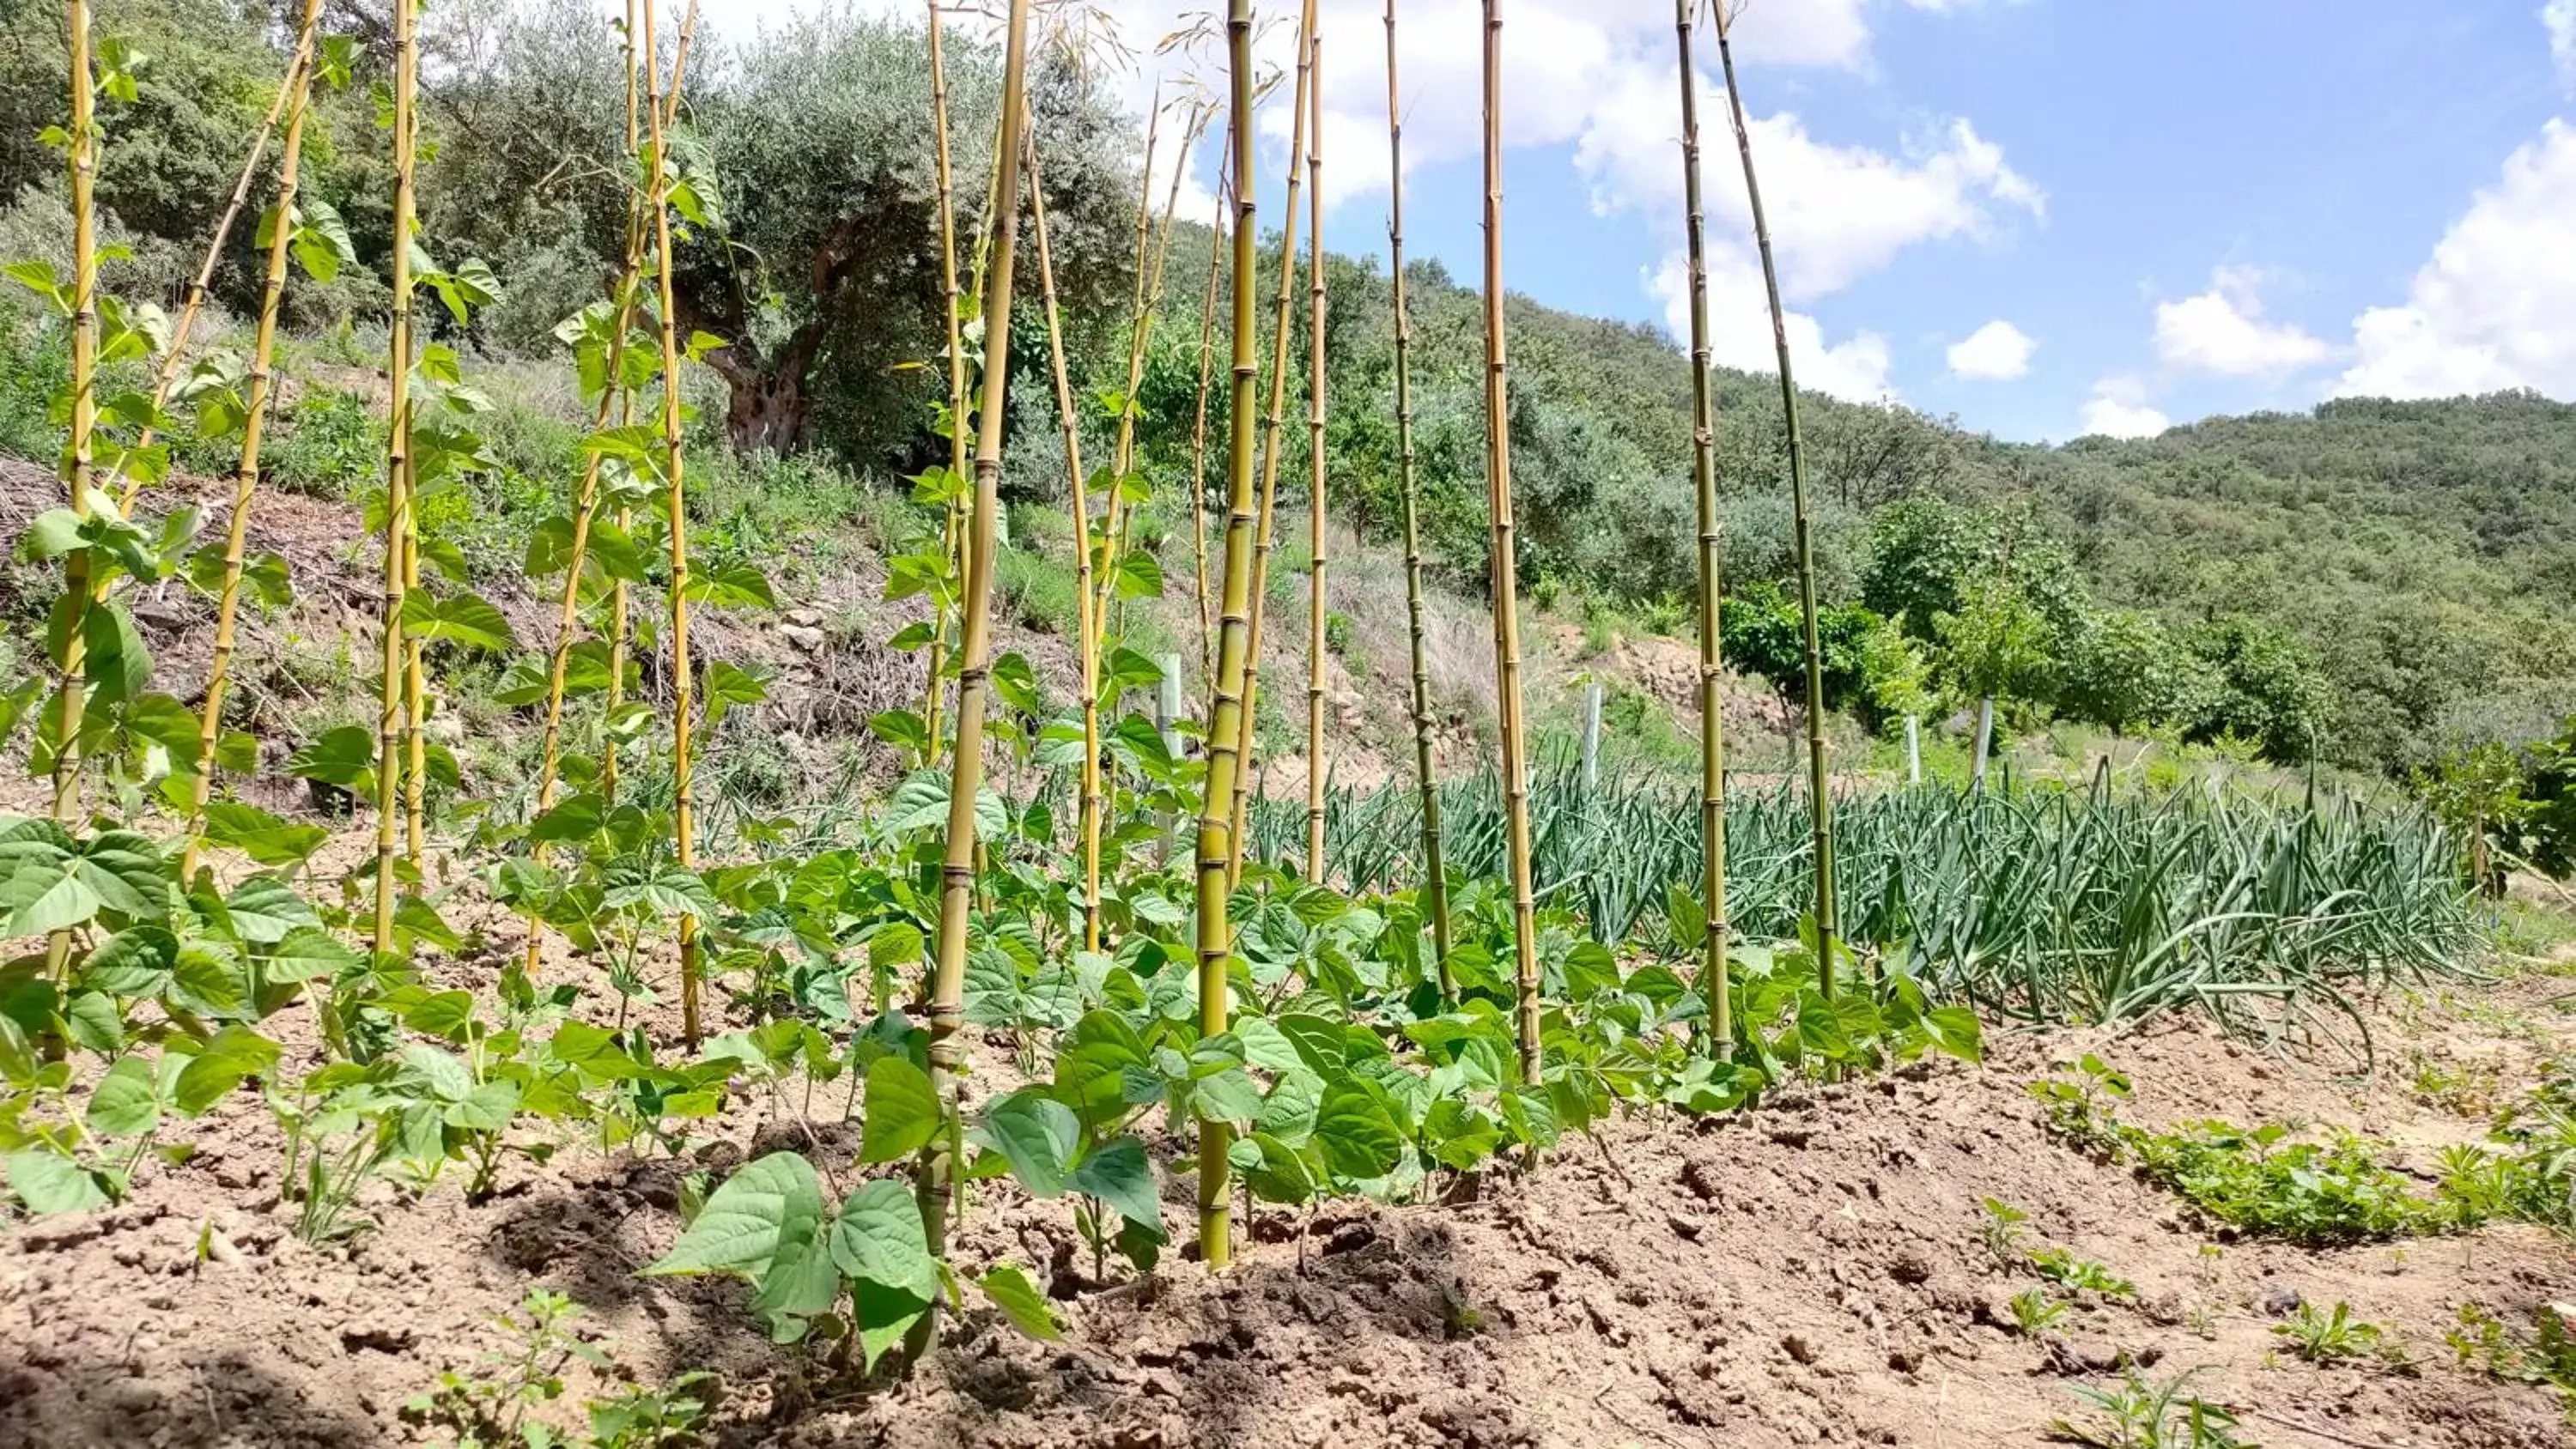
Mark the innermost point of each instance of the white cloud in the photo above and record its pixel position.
(2489, 310)
(1837, 213)
(2222, 331)
(2559, 16)
(1739, 324)
(2118, 409)
(1997, 352)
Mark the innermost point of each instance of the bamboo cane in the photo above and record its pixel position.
(1820, 800)
(1225, 698)
(1435, 878)
(1087, 622)
(1507, 631)
(613, 395)
(78, 591)
(389, 719)
(1198, 433)
(1243, 730)
(619, 597)
(676, 526)
(246, 476)
(1149, 303)
(975, 646)
(1091, 612)
(935, 688)
(1712, 722)
(174, 361)
(1315, 466)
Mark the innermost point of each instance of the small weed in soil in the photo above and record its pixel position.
(2141, 1414)
(2547, 1356)
(2329, 1337)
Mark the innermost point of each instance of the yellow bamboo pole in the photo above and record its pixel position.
(620, 600)
(1091, 611)
(613, 394)
(1712, 722)
(1315, 467)
(389, 719)
(1198, 434)
(975, 647)
(246, 476)
(1820, 799)
(1505, 575)
(676, 526)
(1149, 303)
(935, 689)
(78, 590)
(1243, 730)
(1435, 879)
(1087, 621)
(173, 362)
(1225, 696)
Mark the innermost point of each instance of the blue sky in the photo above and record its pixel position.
(2140, 213)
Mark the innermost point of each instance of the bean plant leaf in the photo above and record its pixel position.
(772, 1204)
(726, 686)
(1118, 1174)
(49, 880)
(344, 755)
(879, 1238)
(48, 1183)
(1036, 1134)
(235, 1055)
(127, 1101)
(1021, 1302)
(264, 837)
(1358, 1137)
(902, 1112)
(465, 619)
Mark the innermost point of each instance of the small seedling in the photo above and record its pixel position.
(2002, 1231)
(2328, 1337)
(492, 1410)
(2547, 1357)
(2144, 1415)
(2033, 1311)
(2063, 1268)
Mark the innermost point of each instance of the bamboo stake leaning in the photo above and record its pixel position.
(1820, 800)
(936, 687)
(1315, 466)
(676, 525)
(1435, 878)
(174, 361)
(614, 395)
(295, 96)
(1086, 610)
(79, 594)
(1712, 724)
(1149, 305)
(1226, 701)
(389, 717)
(1505, 572)
(1243, 732)
(975, 650)
(1198, 428)
(1091, 609)
(620, 599)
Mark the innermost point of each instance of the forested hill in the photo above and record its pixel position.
(2373, 581)
(2426, 551)
(2380, 581)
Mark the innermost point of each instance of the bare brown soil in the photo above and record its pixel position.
(1811, 1273)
